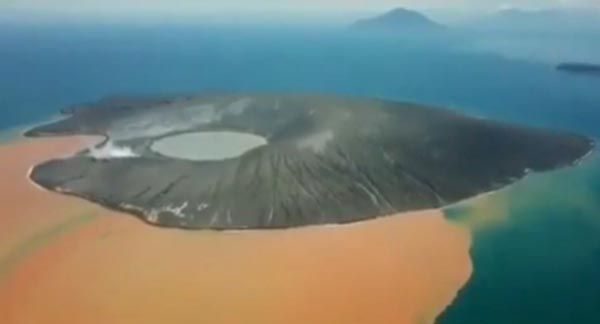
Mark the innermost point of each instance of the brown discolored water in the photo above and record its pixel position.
(64, 260)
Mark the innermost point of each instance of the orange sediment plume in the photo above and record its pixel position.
(25, 208)
(64, 260)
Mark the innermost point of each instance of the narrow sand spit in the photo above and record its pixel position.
(64, 260)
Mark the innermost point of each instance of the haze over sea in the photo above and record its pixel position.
(46, 67)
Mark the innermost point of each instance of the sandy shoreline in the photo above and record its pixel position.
(64, 260)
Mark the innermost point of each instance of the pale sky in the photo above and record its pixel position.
(256, 5)
(185, 8)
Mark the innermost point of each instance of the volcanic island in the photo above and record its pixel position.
(232, 162)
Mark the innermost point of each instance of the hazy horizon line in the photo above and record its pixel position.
(438, 13)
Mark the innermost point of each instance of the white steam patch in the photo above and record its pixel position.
(111, 151)
(317, 141)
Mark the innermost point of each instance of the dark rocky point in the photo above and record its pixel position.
(580, 68)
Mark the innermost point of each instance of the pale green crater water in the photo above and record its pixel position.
(207, 146)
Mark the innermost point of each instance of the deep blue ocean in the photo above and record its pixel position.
(44, 68)
(541, 264)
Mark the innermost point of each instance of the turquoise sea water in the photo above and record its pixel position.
(538, 259)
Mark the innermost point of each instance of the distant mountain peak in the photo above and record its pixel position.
(402, 13)
(398, 20)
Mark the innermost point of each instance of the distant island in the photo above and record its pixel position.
(398, 20)
(580, 68)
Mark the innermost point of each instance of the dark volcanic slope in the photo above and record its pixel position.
(329, 160)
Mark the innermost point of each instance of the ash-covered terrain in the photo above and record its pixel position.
(317, 160)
